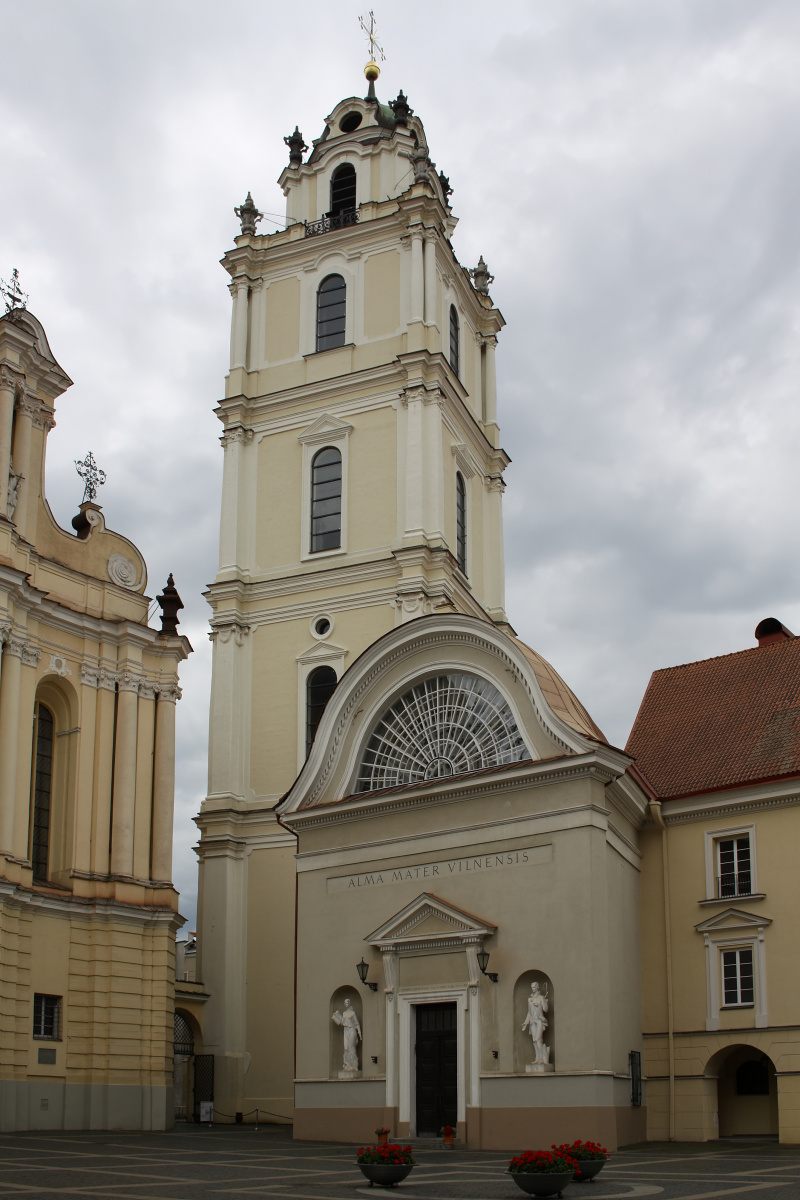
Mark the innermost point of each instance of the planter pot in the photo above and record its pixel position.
(587, 1168)
(537, 1183)
(383, 1139)
(385, 1174)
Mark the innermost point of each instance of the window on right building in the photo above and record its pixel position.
(737, 978)
(733, 866)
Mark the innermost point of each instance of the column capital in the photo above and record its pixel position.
(11, 378)
(495, 483)
(107, 680)
(230, 629)
(90, 676)
(21, 648)
(5, 631)
(148, 689)
(127, 681)
(169, 692)
(237, 433)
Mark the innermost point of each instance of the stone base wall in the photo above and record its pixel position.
(50, 1104)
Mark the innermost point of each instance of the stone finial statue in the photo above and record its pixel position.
(170, 603)
(249, 215)
(481, 279)
(401, 108)
(421, 163)
(444, 184)
(296, 147)
(12, 494)
(536, 1023)
(352, 1036)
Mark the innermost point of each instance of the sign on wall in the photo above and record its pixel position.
(448, 868)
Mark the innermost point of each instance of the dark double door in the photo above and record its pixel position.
(437, 1067)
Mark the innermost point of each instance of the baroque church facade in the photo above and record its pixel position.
(88, 689)
(402, 794)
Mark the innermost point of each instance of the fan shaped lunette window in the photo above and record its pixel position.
(446, 725)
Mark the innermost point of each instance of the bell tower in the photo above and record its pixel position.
(362, 488)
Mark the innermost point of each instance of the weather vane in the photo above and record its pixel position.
(367, 23)
(92, 477)
(13, 293)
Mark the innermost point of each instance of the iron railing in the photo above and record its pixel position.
(734, 883)
(330, 222)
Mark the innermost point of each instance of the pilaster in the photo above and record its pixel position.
(164, 784)
(124, 798)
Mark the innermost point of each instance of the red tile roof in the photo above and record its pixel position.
(722, 722)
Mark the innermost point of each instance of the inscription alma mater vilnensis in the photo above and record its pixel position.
(500, 860)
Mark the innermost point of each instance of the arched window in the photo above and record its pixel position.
(319, 689)
(330, 312)
(42, 790)
(454, 359)
(343, 189)
(326, 499)
(461, 522)
(445, 725)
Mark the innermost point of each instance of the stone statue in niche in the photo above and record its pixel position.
(352, 1036)
(536, 1023)
(12, 496)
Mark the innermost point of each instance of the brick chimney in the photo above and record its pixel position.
(770, 630)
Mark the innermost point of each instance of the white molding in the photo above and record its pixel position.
(712, 837)
(733, 930)
(398, 929)
(321, 654)
(407, 1000)
(326, 430)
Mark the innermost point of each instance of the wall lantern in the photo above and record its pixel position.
(363, 970)
(483, 962)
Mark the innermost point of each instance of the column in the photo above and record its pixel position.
(413, 401)
(433, 517)
(145, 766)
(164, 785)
(494, 557)
(9, 736)
(9, 380)
(103, 770)
(490, 393)
(229, 713)
(25, 704)
(239, 358)
(23, 429)
(417, 306)
(430, 278)
(82, 840)
(124, 800)
(230, 548)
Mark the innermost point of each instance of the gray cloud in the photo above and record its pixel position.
(631, 173)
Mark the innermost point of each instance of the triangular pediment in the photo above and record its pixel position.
(322, 652)
(429, 919)
(732, 918)
(327, 427)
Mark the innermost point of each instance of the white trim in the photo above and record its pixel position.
(326, 430)
(712, 838)
(406, 1075)
(330, 263)
(740, 931)
(322, 654)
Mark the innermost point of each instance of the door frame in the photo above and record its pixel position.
(466, 1013)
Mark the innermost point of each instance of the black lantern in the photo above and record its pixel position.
(483, 962)
(363, 971)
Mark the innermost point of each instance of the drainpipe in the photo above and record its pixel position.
(655, 810)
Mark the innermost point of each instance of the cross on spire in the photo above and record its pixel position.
(13, 293)
(367, 23)
(91, 475)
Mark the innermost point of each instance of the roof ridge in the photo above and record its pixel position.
(697, 662)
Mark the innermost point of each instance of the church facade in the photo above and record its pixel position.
(399, 789)
(88, 690)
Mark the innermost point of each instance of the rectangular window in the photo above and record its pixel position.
(635, 1058)
(737, 978)
(47, 1017)
(733, 861)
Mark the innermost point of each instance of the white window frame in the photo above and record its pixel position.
(327, 430)
(323, 654)
(403, 1068)
(738, 951)
(712, 840)
(714, 945)
(331, 264)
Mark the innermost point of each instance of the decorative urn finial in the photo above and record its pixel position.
(296, 147)
(249, 215)
(170, 603)
(401, 108)
(444, 184)
(481, 279)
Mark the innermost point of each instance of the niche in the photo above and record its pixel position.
(336, 1033)
(523, 1043)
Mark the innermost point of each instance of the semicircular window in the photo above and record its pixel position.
(446, 725)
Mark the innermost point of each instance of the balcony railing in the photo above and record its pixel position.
(733, 884)
(331, 221)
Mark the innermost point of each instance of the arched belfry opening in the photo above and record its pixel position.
(343, 190)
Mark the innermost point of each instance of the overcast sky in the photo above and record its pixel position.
(630, 170)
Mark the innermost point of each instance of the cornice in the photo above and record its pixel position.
(729, 804)
(315, 578)
(21, 897)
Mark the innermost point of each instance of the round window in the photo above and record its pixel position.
(321, 626)
(350, 121)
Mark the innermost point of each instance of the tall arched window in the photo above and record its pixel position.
(343, 189)
(319, 689)
(42, 790)
(330, 312)
(326, 499)
(461, 522)
(454, 359)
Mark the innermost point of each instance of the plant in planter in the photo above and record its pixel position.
(382, 1134)
(590, 1158)
(448, 1133)
(385, 1165)
(542, 1172)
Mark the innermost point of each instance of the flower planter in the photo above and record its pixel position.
(587, 1168)
(383, 1139)
(541, 1183)
(385, 1174)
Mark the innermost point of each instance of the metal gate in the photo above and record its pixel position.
(203, 1081)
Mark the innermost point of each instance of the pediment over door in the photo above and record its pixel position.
(432, 923)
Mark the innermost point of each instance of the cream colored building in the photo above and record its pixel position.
(88, 912)
(717, 744)
(361, 548)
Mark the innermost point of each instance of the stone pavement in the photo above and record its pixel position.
(196, 1163)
